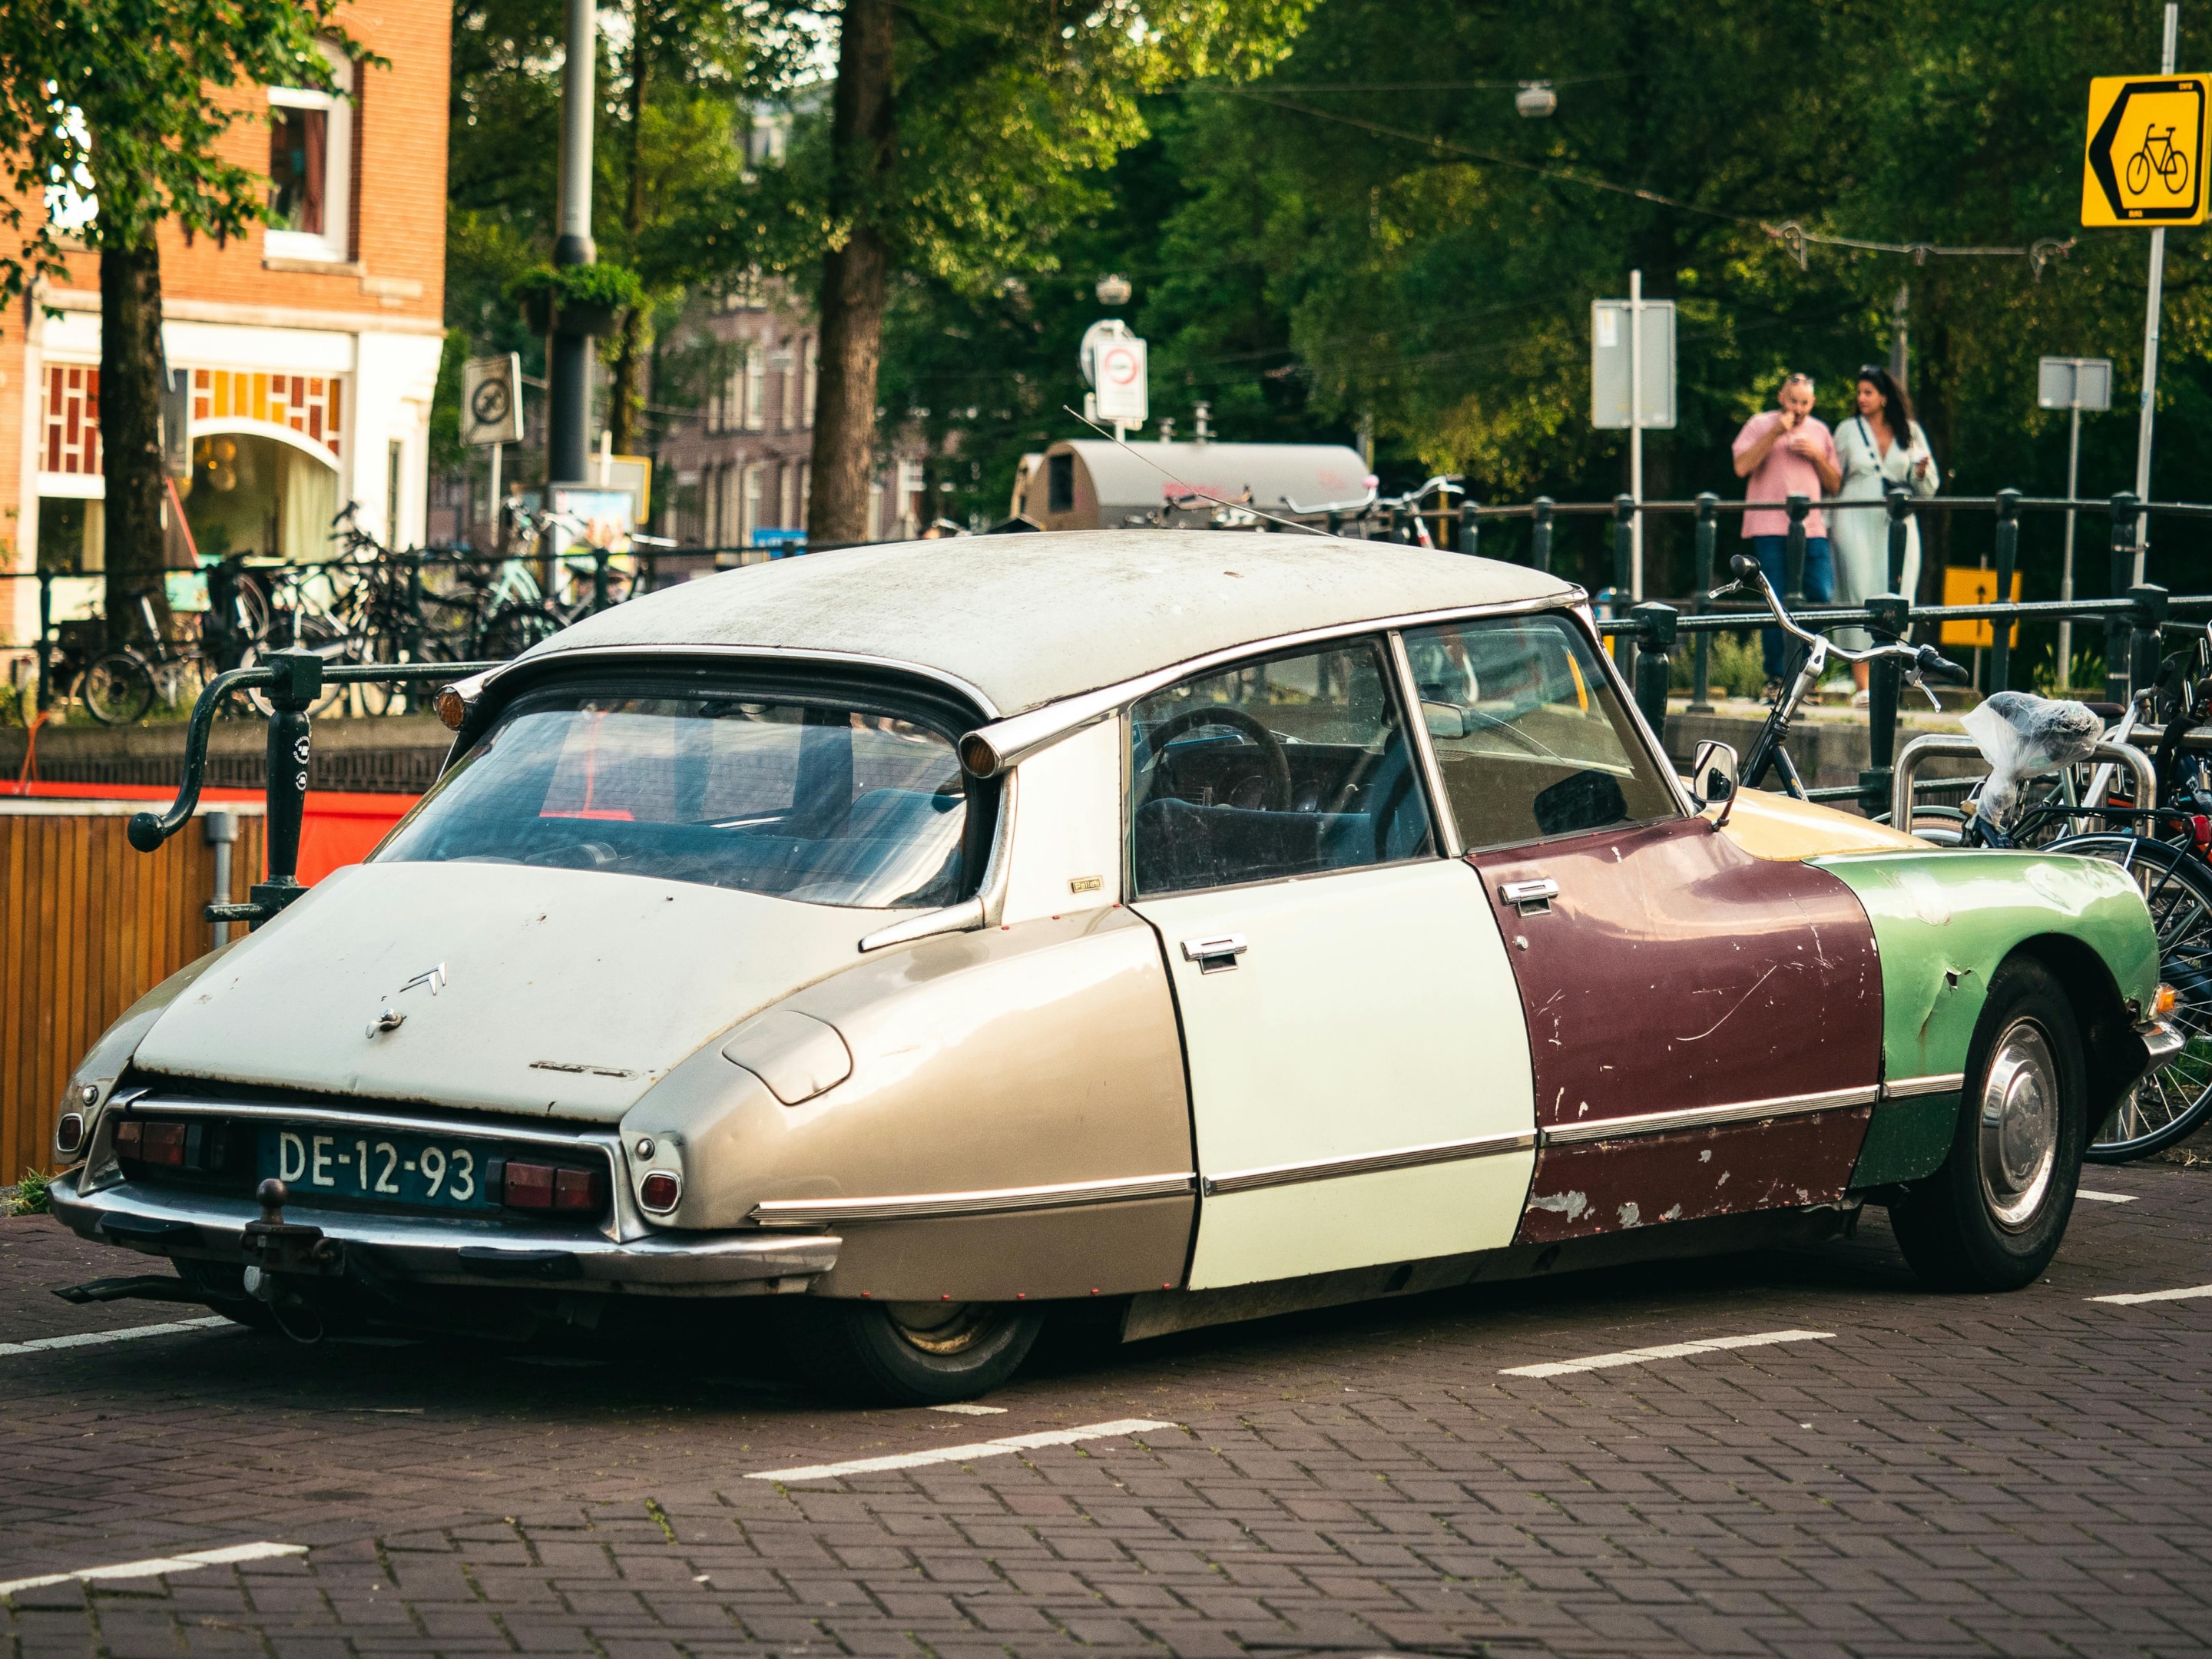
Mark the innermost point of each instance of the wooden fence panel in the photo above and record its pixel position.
(88, 926)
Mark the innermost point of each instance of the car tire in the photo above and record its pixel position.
(916, 1354)
(1994, 1215)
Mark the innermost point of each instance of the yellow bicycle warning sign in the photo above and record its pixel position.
(2145, 164)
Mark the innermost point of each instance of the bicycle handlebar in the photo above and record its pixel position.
(1924, 659)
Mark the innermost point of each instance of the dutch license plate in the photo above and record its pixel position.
(379, 1166)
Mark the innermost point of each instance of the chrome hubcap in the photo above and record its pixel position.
(2018, 1129)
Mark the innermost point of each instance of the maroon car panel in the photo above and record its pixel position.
(1603, 1186)
(1673, 971)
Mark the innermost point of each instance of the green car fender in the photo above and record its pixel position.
(1944, 922)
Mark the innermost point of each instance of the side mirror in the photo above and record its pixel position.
(1445, 720)
(1714, 772)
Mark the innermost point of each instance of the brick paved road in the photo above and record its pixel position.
(2013, 1475)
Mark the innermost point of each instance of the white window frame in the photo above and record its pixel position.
(334, 246)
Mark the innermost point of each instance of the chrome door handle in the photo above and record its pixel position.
(1216, 955)
(1530, 898)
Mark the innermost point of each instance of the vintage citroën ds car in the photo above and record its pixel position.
(895, 943)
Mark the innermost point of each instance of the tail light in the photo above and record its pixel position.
(151, 1143)
(550, 1186)
(2200, 832)
(659, 1192)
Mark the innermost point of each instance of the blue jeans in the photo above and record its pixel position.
(1820, 585)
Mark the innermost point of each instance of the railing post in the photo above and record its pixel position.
(2008, 558)
(1701, 644)
(1892, 618)
(1539, 535)
(1793, 552)
(1335, 524)
(598, 580)
(299, 680)
(1900, 525)
(46, 638)
(1623, 543)
(2146, 611)
(1470, 531)
(1655, 639)
(2117, 628)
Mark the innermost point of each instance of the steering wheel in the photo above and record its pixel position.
(1278, 796)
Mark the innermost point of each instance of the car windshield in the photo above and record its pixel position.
(825, 806)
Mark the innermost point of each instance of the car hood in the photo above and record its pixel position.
(557, 993)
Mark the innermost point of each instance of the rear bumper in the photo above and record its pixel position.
(411, 1249)
(2162, 1041)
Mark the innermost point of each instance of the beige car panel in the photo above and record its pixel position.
(1103, 1250)
(1037, 1055)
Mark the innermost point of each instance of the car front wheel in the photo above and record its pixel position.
(917, 1353)
(1993, 1216)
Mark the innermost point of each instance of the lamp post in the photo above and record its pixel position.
(568, 352)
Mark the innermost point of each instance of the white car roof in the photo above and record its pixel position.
(1029, 619)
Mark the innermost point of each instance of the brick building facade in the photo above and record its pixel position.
(312, 343)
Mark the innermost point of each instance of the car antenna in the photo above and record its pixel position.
(1196, 493)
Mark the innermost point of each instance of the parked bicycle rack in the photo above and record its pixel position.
(291, 680)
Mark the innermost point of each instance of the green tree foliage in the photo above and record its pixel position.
(125, 104)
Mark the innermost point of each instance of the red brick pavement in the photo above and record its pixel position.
(2013, 1475)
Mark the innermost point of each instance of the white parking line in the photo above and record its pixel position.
(2104, 1198)
(2130, 1300)
(967, 1410)
(1005, 1448)
(1599, 1362)
(128, 1334)
(184, 1562)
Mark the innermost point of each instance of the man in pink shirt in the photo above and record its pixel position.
(1787, 451)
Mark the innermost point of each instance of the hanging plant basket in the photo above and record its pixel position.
(589, 299)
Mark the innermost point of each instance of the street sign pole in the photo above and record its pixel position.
(1636, 435)
(2150, 326)
(495, 537)
(2078, 386)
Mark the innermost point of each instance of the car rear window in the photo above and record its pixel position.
(822, 804)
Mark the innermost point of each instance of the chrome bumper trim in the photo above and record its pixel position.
(1936, 1082)
(453, 1250)
(2162, 1043)
(1403, 1157)
(811, 1212)
(1709, 1117)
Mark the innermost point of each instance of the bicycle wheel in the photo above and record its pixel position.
(2138, 174)
(2171, 1101)
(515, 628)
(2175, 172)
(118, 689)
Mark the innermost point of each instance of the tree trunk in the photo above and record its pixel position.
(131, 433)
(627, 400)
(854, 279)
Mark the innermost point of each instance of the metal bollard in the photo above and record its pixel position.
(1539, 535)
(1655, 634)
(2117, 628)
(1892, 618)
(1470, 529)
(1793, 553)
(1701, 645)
(2001, 633)
(221, 829)
(46, 638)
(1623, 543)
(2146, 611)
(299, 679)
(1901, 523)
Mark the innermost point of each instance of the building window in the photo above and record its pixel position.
(750, 510)
(807, 353)
(786, 389)
(756, 405)
(310, 168)
(806, 484)
(786, 492)
(72, 432)
(311, 404)
(1060, 483)
(395, 473)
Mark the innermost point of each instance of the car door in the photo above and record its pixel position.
(1705, 1025)
(1359, 1064)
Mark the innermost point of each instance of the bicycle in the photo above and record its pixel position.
(2158, 154)
(118, 686)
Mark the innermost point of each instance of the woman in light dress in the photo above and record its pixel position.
(1880, 448)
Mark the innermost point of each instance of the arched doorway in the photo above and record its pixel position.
(259, 493)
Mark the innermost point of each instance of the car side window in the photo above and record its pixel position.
(1529, 737)
(1289, 766)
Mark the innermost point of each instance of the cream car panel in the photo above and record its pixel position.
(1372, 1016)
(559, 993)
(1067, 827)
